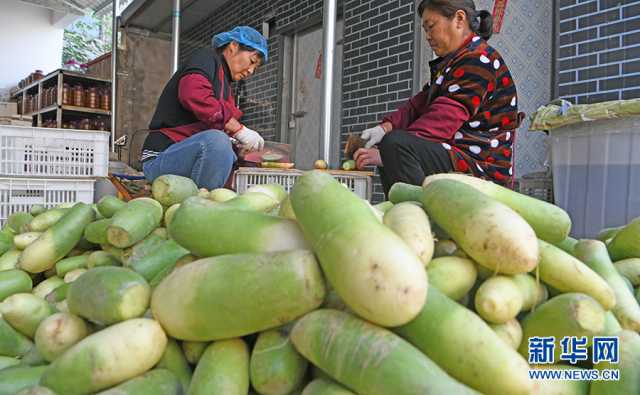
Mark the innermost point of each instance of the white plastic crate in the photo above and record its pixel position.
(358, 182)
(44, 152)
(19, 194)
(596, 173)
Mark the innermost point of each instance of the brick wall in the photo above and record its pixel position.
(378, 56)
(599, 50)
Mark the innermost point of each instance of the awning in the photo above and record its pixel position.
(77, 7)
(155, 15)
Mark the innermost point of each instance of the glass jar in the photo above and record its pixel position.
(66, 94)
(38, 75)
(105, 99)
(78, 96)
(84, 124)
(92, 99)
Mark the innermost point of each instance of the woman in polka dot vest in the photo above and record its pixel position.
(464, 120)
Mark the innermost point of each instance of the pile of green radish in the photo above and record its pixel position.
(316, 292)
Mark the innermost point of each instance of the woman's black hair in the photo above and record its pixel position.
(480, 22)
(242, 47)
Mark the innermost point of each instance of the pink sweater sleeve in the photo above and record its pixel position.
(441, 120)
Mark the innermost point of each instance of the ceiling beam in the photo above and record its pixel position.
(63, 6)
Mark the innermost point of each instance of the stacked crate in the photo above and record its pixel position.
(49, 167)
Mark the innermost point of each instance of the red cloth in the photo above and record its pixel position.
(440, 120)
(195, 93)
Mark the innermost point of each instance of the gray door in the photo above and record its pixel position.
(306, 98)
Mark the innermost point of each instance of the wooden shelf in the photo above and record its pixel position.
(87, 110)
(48, 109)
(55, 74)
(84, 76)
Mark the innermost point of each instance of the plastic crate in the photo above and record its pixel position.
(596, 173)
(43, 152)
(358, 182)
(19, 194)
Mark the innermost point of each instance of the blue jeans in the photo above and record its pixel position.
(206, 157)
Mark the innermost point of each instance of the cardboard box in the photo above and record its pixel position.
(8, 109)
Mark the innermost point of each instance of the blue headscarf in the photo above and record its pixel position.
(244, 35)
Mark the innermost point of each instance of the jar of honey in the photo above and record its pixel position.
(78, 96)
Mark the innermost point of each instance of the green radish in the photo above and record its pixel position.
(629, 367)
(384, 206)
(23, 240)
(161, 232)
(9, 260)
(493, 234)
(36, 390)
(6, 241)
(349, 165)
(412, 225)
(109, 205)
(19, 222)
(62, 307)
(550, 222)
(59, 294)
(197, 222)
(85, 246)
(221, 195)
(24, 312)
(325, 387)
(252, 201)
(220, 299)
(169, 213)
(73, 275)
(629, 268)
(17, 378)
(444, 248)
(96, 232)
(203, 193)
(33, 358)
(141, 249)
(12, 342)
(626, 243)
(570, 314)
(134, 222)
(106, 358)
(170, 189)
(498, 300)
(47, 286)
(68, 264)
(223, 369)
(14, 281)
(37, 209)
(186, 260)
(533, 292)
(57, 241)
(194, 350)
(372, 269)
(276, 368)
(627, 310)
(369, 359)
(154, 382)
(47, 219)
(567, 245)
(561, 387)
(510, 332)
(466, 347)
(109, 294)
(286, 210)
(101, 258)
(57, 333)
(607, 234)
(162, 259)
(453, 276)
(117, 253)
(401, 192)
(174, 360)
(566, 273)
(99, 215)
(276, 191)
(7, 362)
(611, 324)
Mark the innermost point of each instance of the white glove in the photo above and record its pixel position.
(250, 139)
(373, 136)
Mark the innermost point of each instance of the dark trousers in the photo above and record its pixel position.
(409, 159)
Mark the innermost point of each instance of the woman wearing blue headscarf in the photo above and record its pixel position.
(196, 114)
